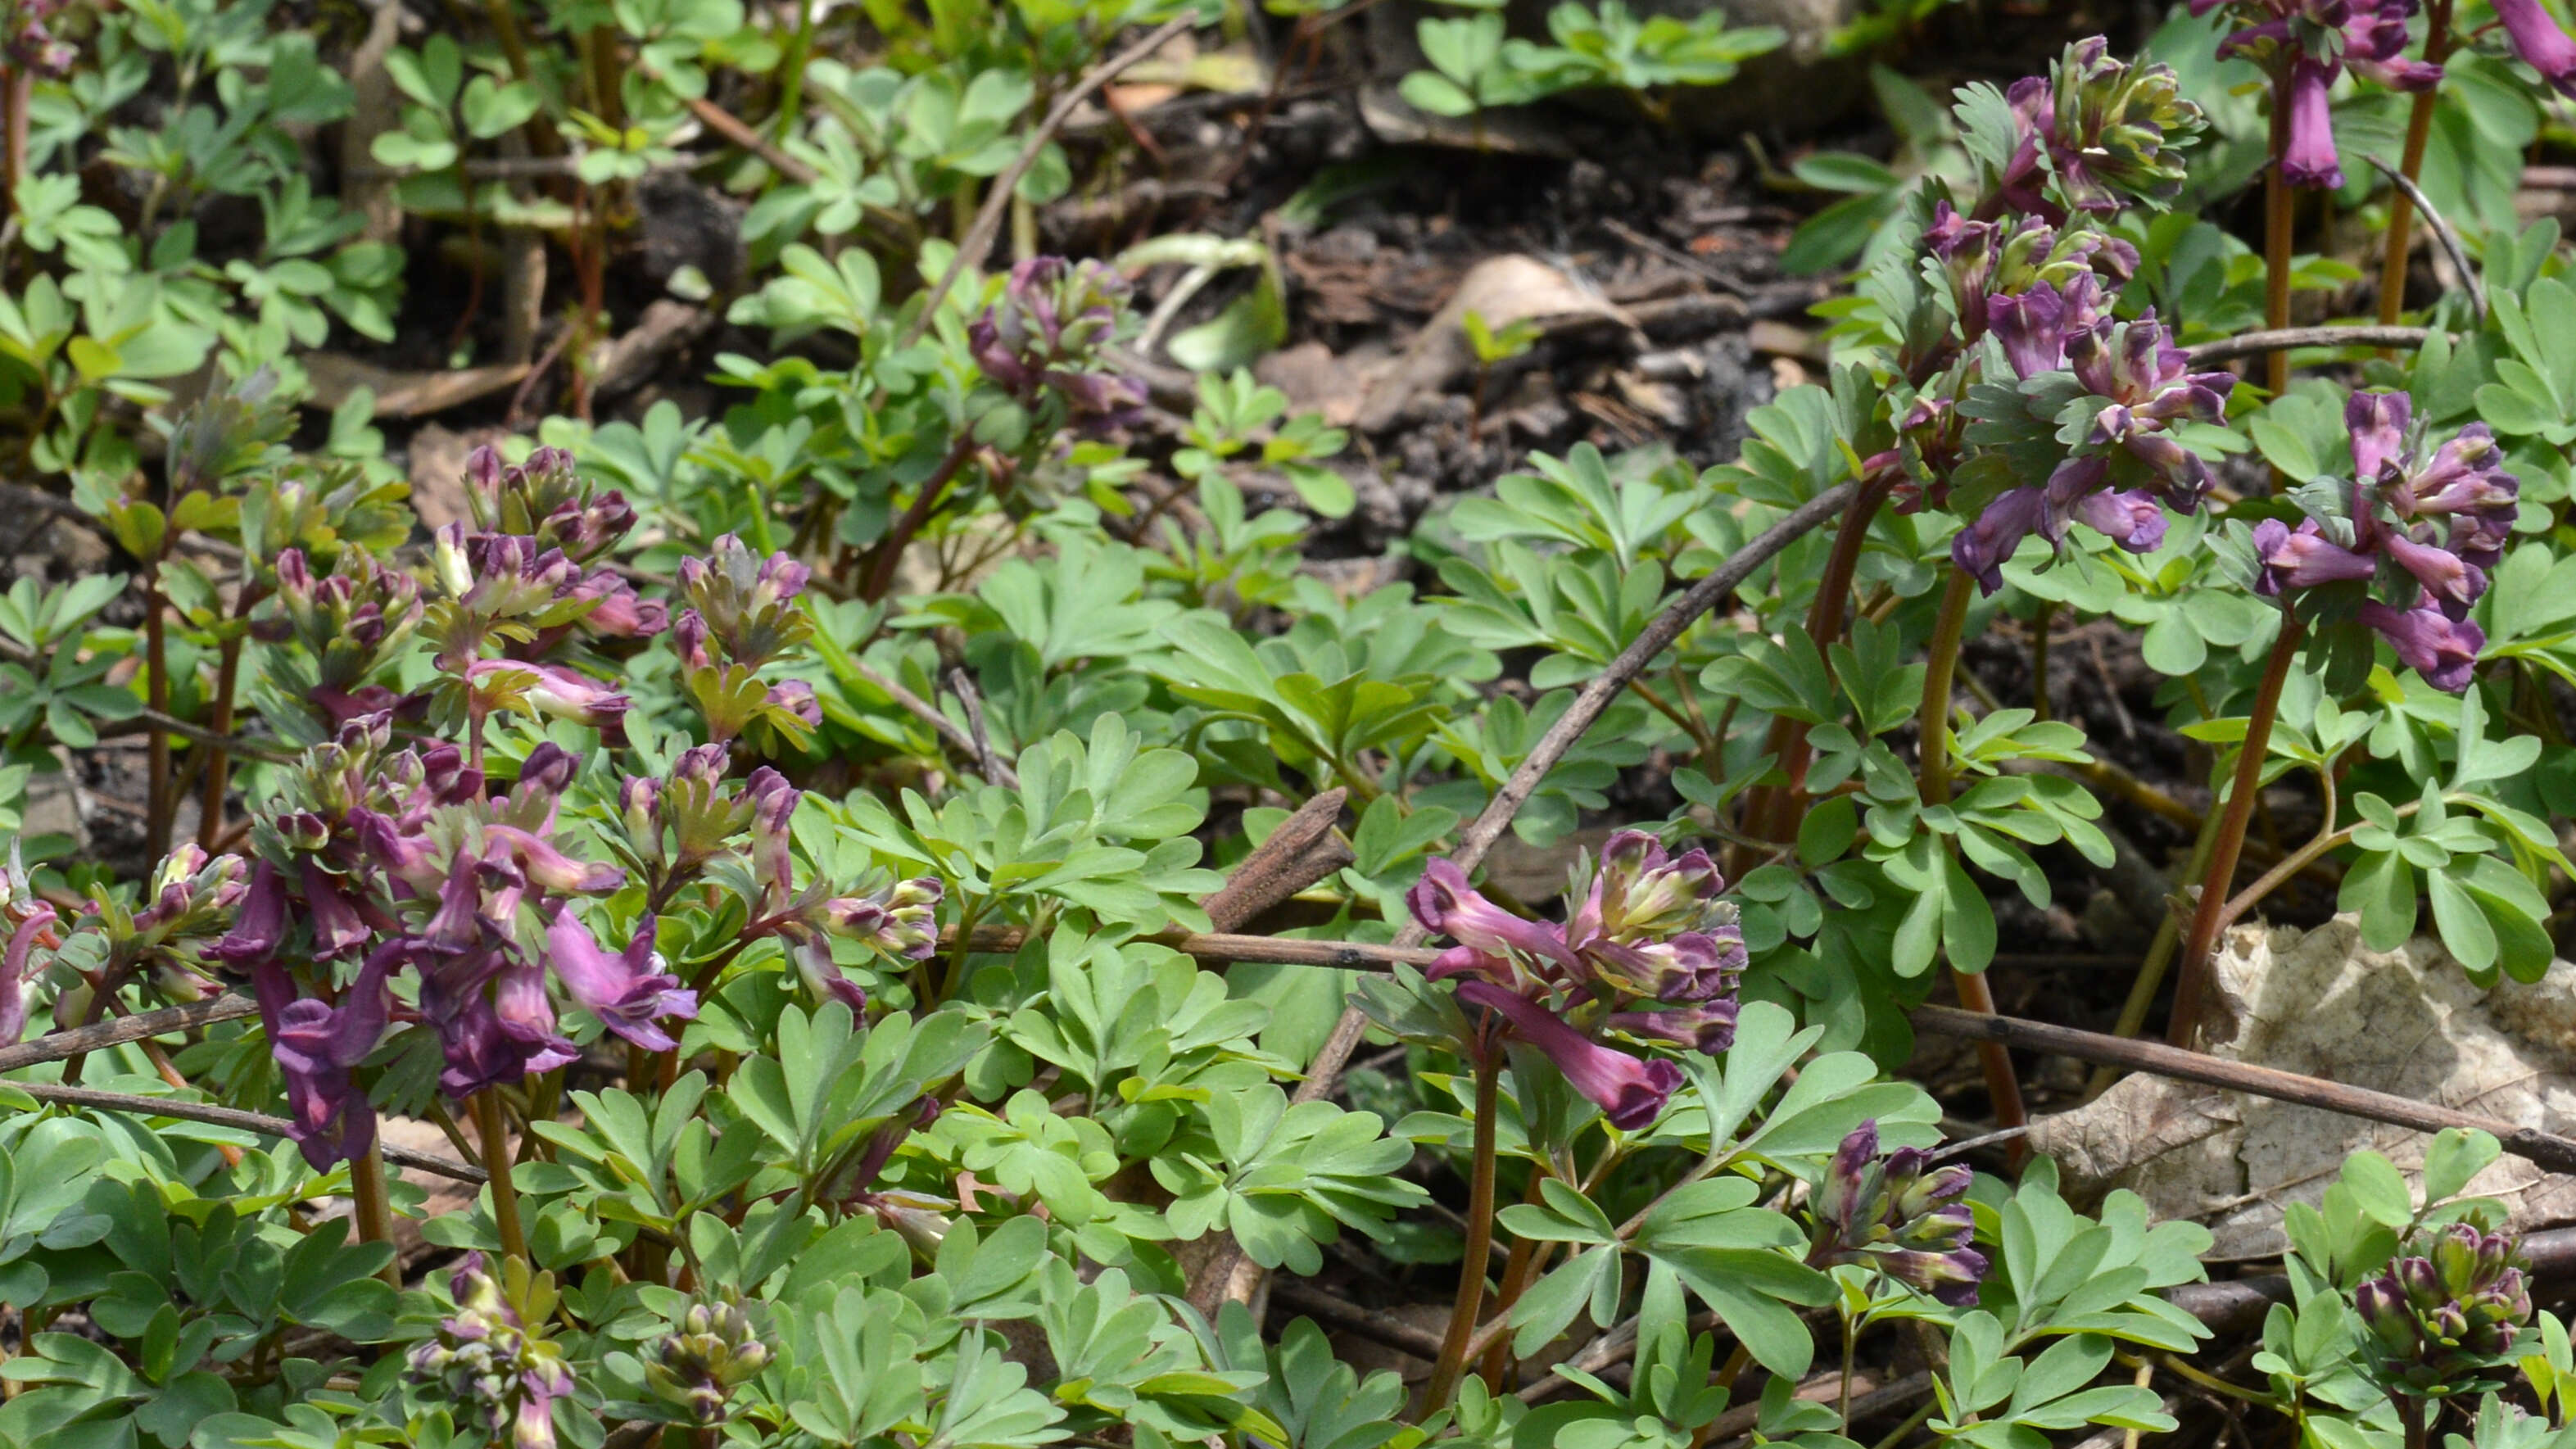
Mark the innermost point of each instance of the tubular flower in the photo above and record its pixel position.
(34, 926)
(1897, 1213)
(317, 1046)
(487, 1363)
(1630, 1092)
(628, 995)
(2441, 1316)
(2541, 43)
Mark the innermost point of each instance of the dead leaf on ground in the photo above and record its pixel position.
(1502, 290)
(2408, 1022)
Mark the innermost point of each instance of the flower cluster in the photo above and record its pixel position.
(1649, 951)
(350, 622)
(2421, 531)
(741, 616)
(489, 1364)
(1897, 1213)
(2099, 397)
(31, 45)
(697, 1367)
(1043, 336)
(2318, 40)
(2107, 132)
(2455, 1309)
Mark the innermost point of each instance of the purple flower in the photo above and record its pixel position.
(551, 689)
(36, 926)
(2032, 328)
(1981, 548)
(623, 991)
(2310, 158)
(318, 1046)
(796, 697)
(1630, 1092)
(261, 925)
(1706, 1027)
(2377, 423)
(2451, 1310)
(1446, 905)
(2303, 558)
(2134, 520)
(2538, 39)
(2451, 581)
(2442, 649)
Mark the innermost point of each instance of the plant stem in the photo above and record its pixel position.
(2039, 661)
(1851, 1341)
(2160, 954)
(374, 1210)
(1480, 1234)
(2276, 234)
(1934, 767)
(888, 554)
(1517, 1268)
(1772, 813)
(2211, 911)
(496, 1161)
(2410, 163)
(791, 71)
(156, 695)
(210, 806)
(2410, 1412)
(17, 88)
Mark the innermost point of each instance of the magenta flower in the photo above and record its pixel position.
(552, 689)
(2310, 158)
(34, 927)
(2540, 42)
(1982, 548)
(624, 991)
(1446, 905)
(318, 1047)
(1631, 1093)
(2442, 649)
(2303, 558)
(2031, 326)
(2134, 521)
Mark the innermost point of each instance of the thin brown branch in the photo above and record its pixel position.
(2281, 339)
(55, 1046)
(2555, 1153)
(1382, 1328)
(987, 227)
(214, 1116)
(950, 730)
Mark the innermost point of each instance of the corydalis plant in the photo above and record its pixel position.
(1649, 952)
(491, 1363)
(2402, 547)
(2437, 1318)
(1898, 1214)
(1041, 340)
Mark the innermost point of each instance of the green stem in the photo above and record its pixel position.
(2002, 1085)
(1851, 1341)
(1480, 1234)
(2410, 1412)
(791, 71)
(2210, 914)
(496, 1161)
